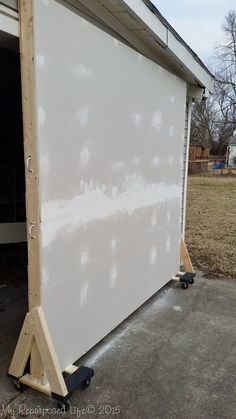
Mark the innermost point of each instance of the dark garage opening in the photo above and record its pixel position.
(13, 248)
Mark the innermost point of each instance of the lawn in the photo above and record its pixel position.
(211, 225)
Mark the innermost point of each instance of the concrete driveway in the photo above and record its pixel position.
(174, 358)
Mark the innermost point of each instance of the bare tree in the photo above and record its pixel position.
(203, 127)
(214, 121)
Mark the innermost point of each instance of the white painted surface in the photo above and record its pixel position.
(110, 177)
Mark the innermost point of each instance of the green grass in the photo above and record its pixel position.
(211, 225)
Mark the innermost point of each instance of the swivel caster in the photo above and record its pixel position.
(18, 385)
(85, 384)
(64, 405)
(187, 279)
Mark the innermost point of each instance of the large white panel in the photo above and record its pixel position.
(110, 132)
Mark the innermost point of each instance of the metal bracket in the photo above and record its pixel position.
(32, 225)
(29, 158)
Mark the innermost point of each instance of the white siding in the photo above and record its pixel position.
(187, 125)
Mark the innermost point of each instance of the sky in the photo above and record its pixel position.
(199, 22)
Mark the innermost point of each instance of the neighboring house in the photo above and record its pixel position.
(107, 88)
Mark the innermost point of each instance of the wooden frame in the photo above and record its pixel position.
(31, 174)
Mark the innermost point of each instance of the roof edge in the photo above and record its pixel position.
(153, 8)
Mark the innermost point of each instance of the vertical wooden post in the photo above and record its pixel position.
(31, 166)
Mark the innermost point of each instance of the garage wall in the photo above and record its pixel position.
(110, 137)
(13, 4)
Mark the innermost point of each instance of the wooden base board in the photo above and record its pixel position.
(29, 381)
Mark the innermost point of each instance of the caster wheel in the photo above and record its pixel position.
(184, 285)
(19, 386)
(64, 406)
(191, 281)
(85, 384)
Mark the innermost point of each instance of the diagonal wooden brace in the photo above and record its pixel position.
(185, 257)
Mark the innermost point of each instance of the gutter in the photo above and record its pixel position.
(170, 28)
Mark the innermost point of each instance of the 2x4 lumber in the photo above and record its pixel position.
(185, 257)
(31, 177)
(23, 349)
(71, 369)
(28, 381)
(47, 352)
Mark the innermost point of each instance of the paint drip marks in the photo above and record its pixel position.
(118, 167)
(45, 165)
(136, 161)
(154, 221)
(136, 119)
(40, 60)
(45, 278)
(157, 120)
(116, 42)
(153, 256)
(114, 191)
(113, 245)
(140, 58)
(41, 115)
(82, 71)
(168, 243)
(83, 117)
(171, 131)
(155, 162)
(170, 160)
(113, 275)
(168, 217)
(84, 156)
(84, 294)
(177, 308)
(84, 259)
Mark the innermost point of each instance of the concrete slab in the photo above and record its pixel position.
(175, 357)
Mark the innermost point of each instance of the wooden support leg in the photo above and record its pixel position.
(36, 366)
(35, 332)
(23, 349)
(47, 352)
(185, 257)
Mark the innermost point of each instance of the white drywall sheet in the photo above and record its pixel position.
(110, 134)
